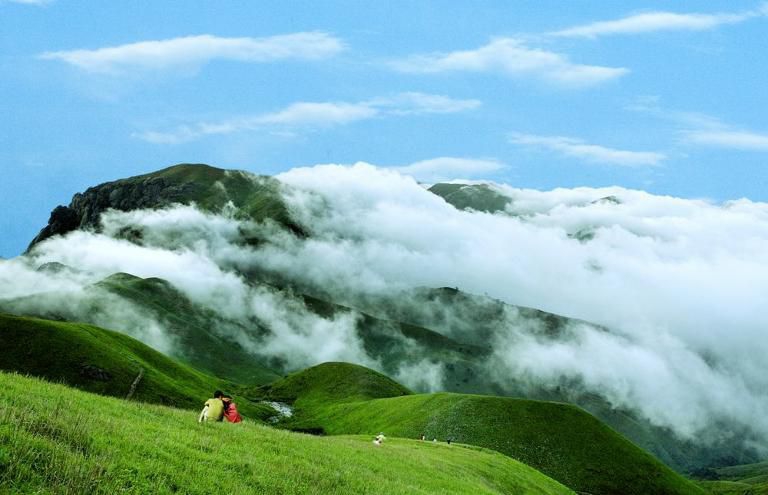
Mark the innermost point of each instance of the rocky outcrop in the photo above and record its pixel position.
(84, 212)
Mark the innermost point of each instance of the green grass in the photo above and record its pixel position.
(54, 439)
(560, 440)
(733, 488)
(256, 197)
(76, 354)
(334, 382)
(479, 197)
(744, 479)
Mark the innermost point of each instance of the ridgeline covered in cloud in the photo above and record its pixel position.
(673, 289)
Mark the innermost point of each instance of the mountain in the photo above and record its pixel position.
(59, 440)
(478, 197)
(432, 338)
(210, 188)
(560, 440)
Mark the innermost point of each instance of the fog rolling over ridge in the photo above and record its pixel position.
(679, 285)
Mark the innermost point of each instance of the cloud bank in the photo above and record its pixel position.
(678, 281)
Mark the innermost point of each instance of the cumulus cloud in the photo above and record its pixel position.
(196, 51)
(648, 22)
(513, 58)
(446, 168)
(317, 115)
(593, 153)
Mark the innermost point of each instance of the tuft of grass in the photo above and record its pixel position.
(55, 439)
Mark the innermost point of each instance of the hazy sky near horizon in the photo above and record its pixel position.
(664, 96)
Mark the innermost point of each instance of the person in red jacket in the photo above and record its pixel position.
(230, 410)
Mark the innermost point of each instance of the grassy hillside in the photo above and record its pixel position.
(196, 332)
(192, 327)
(104, 362)
(745, 479)
(57, 440)
(472, 321)
(560, 440)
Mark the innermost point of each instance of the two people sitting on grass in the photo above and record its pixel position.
(220, 407)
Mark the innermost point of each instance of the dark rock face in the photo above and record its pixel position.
(86, 208)
(63, 219)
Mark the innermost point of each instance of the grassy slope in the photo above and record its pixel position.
(257, 196)
(191, 326)
(746, 479)
(560, 440)
(58, 351)
(57, 440)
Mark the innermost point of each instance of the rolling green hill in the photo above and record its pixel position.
(59, 440)
(560, 440)
(334, 382)
(105, 362)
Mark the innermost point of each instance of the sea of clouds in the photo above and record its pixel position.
(681, 284)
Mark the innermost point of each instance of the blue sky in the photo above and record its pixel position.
(664, 96)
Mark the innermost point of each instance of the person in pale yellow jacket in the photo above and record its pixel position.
(213, 410)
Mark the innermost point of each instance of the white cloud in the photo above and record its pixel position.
(446, 168)
(704, 130)
(316, 115)
(514, 58)
(589, 152)
(410, 103)
(658, 21)
(195, 51)
(731, 139)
